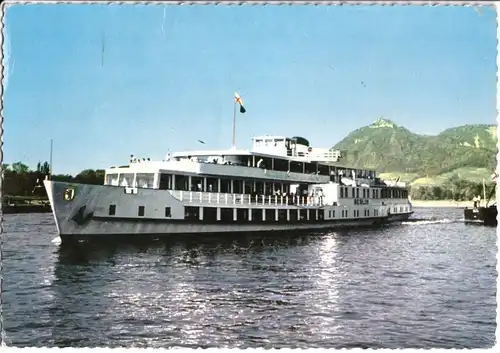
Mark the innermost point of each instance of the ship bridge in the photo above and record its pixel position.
(297, 147)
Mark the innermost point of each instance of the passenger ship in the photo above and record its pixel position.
(280, 184)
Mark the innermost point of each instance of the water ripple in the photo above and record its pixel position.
(427, 284)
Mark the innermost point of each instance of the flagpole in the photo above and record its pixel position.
(234, 126)
(50, 165)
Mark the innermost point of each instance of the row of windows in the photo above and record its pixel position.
(140, 211)
(375, 193)
(282, 165)
(223, 185)
(227, 214)
(401, 209)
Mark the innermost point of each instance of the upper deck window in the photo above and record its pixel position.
(126, 179)
(111, 179)
(144, 180)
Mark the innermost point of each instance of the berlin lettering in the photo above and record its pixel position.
(361, 201)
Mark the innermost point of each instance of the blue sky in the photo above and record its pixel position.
(168, 75)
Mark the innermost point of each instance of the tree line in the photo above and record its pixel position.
(20, 180)
(457, 190)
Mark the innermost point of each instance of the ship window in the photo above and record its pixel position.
(247, 187)
(112, 210)
(143, 180)
(238, 187)
(259, 187)
(353, 192)
(191, 213)
(281, 165)
(321, 214)
(296, 167)
(357, 193)
(126, 179)
(225, 185)
(197, 184)
(333, 214)
(303, 215)
(341, 192)
(226, 214)
(270, 215)
(168, 212)
(140, 211)
(294, 216)
(311, 168)
(323, 169)
(165, 182)
(210, 214)
(242, 214)
(212, 185)
(182, 182)
(256, 215)
(282, 215)
(112, 179)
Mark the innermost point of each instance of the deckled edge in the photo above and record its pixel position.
(258, 2)
(7, 3)
(497, 169)
(2, 331)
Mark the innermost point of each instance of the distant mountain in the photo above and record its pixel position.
(390, 148)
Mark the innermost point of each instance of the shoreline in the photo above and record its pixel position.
(444, 203)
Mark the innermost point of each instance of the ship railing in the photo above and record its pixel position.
(244, 199)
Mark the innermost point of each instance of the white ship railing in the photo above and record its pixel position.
(244, 199)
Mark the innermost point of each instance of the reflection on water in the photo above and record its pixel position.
(427, 285)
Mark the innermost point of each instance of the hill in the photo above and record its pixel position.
(467, 152)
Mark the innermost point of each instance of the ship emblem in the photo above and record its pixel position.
(69, 194)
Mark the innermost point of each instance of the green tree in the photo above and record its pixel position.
(20, 168)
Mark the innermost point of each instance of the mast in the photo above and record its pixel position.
(50, 163)
(234, 126)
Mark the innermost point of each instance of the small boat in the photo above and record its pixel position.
(485, 215)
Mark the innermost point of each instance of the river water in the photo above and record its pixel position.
(421, 284)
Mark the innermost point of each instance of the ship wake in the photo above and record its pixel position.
(427, 221)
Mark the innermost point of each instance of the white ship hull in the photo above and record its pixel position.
(83, 212)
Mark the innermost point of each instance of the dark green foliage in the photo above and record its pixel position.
(459, 190)
(386, 147)
(19, 180)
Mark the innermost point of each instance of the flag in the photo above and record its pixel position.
(238, 100)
